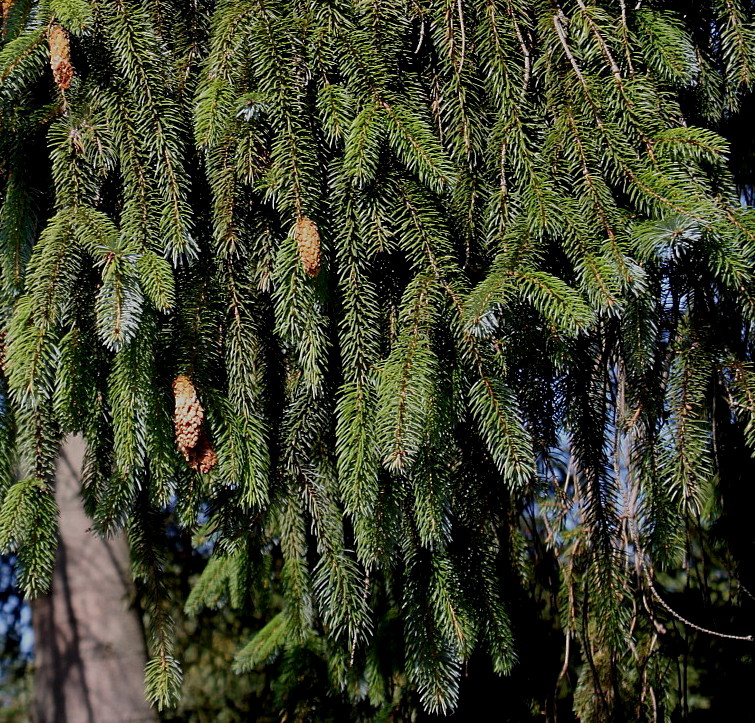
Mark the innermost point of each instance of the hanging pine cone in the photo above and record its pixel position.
(189, 413)
(60, 56)
(308, 240)
(202, 457)
(188, 420)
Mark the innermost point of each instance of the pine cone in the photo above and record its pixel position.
(189, 413)
(308, 240)
(60, 56)
(188, 419)
(202, 457)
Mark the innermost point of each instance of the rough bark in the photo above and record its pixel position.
(89, 643)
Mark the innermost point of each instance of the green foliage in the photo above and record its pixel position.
(73, 15)
(263, 646)
(530, 240)
(28, 527)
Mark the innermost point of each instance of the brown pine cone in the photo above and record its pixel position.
(189, 413)
(202, 457)
(308, 240)
(188, 420)
(60, 56)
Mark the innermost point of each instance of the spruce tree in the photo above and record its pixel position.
(393, 304)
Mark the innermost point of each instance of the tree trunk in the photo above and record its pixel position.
(89, 643)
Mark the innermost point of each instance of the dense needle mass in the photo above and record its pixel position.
(466, 287)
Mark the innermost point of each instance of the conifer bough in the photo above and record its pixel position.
(528, 344)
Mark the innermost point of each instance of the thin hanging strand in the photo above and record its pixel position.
(667, 607)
